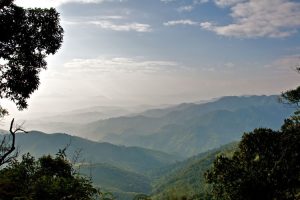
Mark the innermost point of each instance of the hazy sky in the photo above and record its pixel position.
(127, 52)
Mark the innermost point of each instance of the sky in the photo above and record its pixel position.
(155, 52)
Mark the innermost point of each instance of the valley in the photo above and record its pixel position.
(159, 152)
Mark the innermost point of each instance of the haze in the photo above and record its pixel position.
(156, 52)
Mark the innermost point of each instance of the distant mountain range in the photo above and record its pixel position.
(186, 129)
(189, 129)
(71, 121)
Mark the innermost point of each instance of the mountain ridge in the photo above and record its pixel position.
(135, 159)
(196, 127)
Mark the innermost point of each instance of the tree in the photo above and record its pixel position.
(27, 36)
(51, 178)
(292, 96)
(265, 166)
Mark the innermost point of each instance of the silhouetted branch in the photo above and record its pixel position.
(6, 149)
(76, 156)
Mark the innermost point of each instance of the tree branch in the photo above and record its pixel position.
(7, 157)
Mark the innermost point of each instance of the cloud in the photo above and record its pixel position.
(120, 64)
(185, 8)
(196, 2)
(55, 3)
(83, 19)
(109, 17)
(207, 25)
(189, 8)
(263, 18)
(167, 1)
(229, 65)
(223, 3)
(109, 25)
(181, 22)
(287, 62)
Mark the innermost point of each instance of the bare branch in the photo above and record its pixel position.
(7, 150)
(76, 156)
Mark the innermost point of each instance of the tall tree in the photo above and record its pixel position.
(27, 36)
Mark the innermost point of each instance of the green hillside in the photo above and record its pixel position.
(127, 171)
(194, 128)
(139, 124)
(186, 129)
(122, 183)
(185, 179)
(134, 159)
(118, 169)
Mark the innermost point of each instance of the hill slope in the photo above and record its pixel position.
(122, 183)
(189, 129)
(186, 178)
(130, 158)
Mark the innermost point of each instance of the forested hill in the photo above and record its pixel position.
(185, 180)
(186, 129)
(189, 129)
(127, 171)
(118, 169)
(134, 159)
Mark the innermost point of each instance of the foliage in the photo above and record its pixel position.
(50, 178)
(266, 166)
(122, 183)
(141, 197)
(291, 96)
(185, 180)
(118, 169)
(27, 37)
